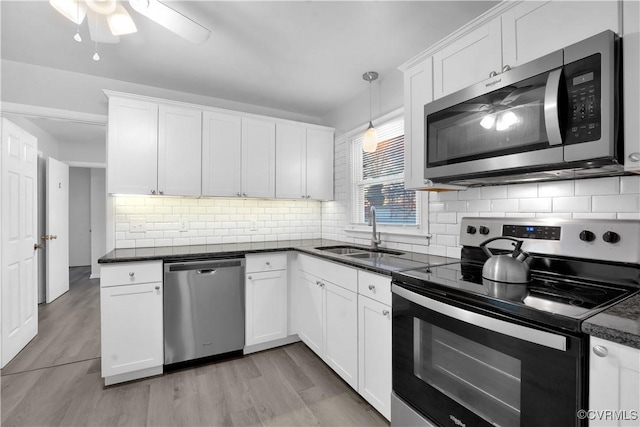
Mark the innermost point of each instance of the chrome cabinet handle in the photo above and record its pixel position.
(506, 68)
(600, 350)
(302, 196)
(239, 194)
(244, 194)
(318, 282)
(321, 285)
(385, 312)
(308, 196)
(161, 192)
(634, 157)
(153, 191)
(493, 74)
(131, 274)
(372, 288)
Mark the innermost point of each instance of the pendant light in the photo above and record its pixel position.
(370, 139)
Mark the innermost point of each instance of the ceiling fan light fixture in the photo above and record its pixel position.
(120, 22)
(103, 7)
(73, 10)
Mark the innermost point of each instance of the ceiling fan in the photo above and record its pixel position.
(109, 19)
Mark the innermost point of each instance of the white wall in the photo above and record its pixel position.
(90, 152)
(49, 87)
(98, 219)
(79, 217)
(212, 220)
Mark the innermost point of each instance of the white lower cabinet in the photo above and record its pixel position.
(132, 322)
(341, 332)
(310, 312)
(374, 354)
(614, 384)
(266, 298)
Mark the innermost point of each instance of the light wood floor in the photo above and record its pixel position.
(55, 381)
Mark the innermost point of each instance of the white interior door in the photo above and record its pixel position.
(19, 285)
(57, 237)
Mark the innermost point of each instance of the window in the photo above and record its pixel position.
(378, 180)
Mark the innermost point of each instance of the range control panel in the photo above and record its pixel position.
(600, 239)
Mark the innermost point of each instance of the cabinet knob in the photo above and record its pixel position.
(249, 277)
(318, 282)
(239, 194)
(493, 74)
(308, 196)
(131, 274)
(506, 68)
(600, 350)
(153, 191)
(634, 157)
(157, 288)
(303, 196)
(268, 262)
(161, 192)
(372, 288)
(244, 194)
(321, 285)
(385, 312)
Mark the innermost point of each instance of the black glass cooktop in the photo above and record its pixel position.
(549, 298)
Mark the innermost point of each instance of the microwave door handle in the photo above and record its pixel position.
(551, 119)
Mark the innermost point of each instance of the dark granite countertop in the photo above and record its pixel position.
(620, 323)
(385, 265)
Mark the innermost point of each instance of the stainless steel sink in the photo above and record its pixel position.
(356, 252)
(369, 255)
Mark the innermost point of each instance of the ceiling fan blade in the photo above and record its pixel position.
(120, 22)
(171, 20)
(99, 29)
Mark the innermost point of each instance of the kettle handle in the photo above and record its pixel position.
(487, 251)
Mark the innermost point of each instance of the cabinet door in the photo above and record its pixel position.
(319, 164)
(221, 154)
(468, 60)
(341, 332)
(179, 151)
(374, 354)
(417, 92)
(266, 306)
(258, 158)
(131, 328)
(132, 147)
(614, 382)
(291, 152)
(534, 29)
(310, 312)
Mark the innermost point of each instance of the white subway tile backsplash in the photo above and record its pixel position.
(469, 194)
(572, 204)
(618, 203)
(447, 218)
(519, 191)
(478, 206)
(556, 189)
(504, 205)
(630, 184)
(540, 204)
(498, 192)
(597, 186)
(593, 215)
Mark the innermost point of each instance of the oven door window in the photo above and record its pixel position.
(458, 373)
(507, 121)
(482, 379)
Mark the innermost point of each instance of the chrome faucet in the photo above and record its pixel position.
(375, 237)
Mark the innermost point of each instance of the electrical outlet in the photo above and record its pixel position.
(137, 225)
(254, 226)
(184, 225)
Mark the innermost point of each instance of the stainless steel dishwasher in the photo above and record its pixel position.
(203, 309)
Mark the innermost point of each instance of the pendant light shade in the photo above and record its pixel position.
(370, 139)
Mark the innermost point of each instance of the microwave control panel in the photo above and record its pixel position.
(583, 84)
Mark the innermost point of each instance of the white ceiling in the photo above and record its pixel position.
(298, 56)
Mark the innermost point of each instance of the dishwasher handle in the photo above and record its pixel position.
(203, 267)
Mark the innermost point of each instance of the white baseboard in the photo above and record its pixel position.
(271, 344)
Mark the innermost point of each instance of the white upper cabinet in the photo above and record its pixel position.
(531, 30)
(221, 154)
(320, 164)
(304, 162)
(468, 60)
(258, 158)
(153, 149)
(132, 147)
(179, 151)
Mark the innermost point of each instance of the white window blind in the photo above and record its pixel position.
(378, 179)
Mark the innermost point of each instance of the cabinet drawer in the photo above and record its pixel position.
(266, 262)
(130, 273)
(343, 276)
(375, 286)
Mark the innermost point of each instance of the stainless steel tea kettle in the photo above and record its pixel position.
(507, 268)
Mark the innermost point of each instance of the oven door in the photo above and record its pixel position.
(459, 367)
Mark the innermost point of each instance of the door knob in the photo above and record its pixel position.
(49, 237)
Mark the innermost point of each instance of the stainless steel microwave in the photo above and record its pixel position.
(557, 117)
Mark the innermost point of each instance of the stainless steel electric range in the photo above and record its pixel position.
(468, 351)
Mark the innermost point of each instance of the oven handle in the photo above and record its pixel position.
(513, 330)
